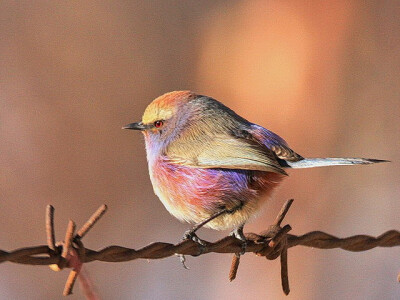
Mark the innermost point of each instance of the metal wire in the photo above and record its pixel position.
(272, 243)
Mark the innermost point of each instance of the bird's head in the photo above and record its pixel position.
(179, 118)
(164, 117)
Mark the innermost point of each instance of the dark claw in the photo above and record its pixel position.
(182, 259)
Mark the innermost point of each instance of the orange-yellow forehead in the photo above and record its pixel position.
(165, 106)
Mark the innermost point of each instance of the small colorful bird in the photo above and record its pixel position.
(210, 166)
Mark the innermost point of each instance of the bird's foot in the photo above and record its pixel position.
(238, 233)
(191, 235)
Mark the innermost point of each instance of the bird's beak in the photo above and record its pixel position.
(135, 126)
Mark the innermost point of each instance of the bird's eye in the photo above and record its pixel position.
(158, 124)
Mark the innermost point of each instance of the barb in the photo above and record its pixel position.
(92, 221)
(51, 240)
(71, 252)
(272, 243)
(234, 266)
(277, 235)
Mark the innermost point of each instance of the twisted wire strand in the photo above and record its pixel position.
(158, 250)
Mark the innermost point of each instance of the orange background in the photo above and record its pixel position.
(323, 75)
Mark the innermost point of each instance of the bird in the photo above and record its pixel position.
(213, 168)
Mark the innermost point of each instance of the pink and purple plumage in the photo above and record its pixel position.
(204, 158)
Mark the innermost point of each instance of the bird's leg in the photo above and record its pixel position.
(191, 233)
(238, 233)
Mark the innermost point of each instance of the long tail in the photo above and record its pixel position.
(323, 162)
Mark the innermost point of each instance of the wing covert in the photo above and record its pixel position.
(226, 152)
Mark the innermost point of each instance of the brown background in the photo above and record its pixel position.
(324, 75)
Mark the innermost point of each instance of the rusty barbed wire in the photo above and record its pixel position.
(272, 243)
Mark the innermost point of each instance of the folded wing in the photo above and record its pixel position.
(223, 151)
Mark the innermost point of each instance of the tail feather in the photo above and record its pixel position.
(323, 162)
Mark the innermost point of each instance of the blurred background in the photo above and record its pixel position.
(322, 74)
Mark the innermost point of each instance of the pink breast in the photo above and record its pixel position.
(194, 190)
